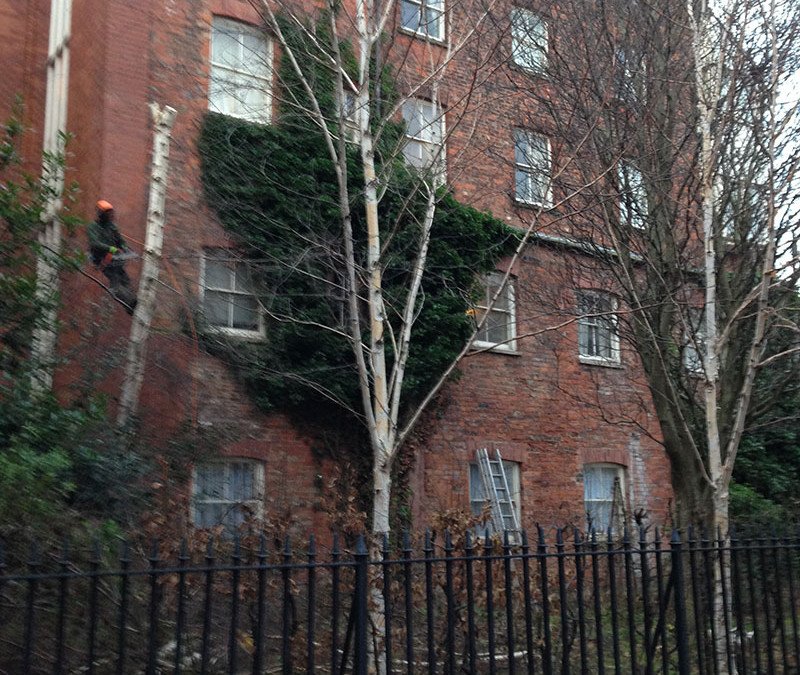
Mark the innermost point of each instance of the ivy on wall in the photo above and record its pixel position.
(274, 188)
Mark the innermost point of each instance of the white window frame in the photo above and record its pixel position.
(530, 40)
(429, 137)
(255, 504)
(529, 169)
(627, 78)
(222, 256)
(632, 195)
(237, 77)
(596, 324)
(421, 27)
(478, 500)
(618, 472)
(490, 284)
(347, 109)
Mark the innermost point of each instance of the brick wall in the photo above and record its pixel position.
(23, 53)
(540, 406)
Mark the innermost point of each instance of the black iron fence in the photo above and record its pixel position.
(554, 604)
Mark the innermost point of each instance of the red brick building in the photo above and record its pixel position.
(564, 401)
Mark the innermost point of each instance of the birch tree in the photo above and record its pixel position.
(686, 193)
(380, 326)
(356, 243)
(741, 125)
(163, 120)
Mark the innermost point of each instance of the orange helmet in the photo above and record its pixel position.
(103, 206)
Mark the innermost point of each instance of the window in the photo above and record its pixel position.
(425, 17)
(632, 196)
(740, 208)
(529, 41)
(227, 493)
(597, 327)
(629, 74)
(424, 133)
(532, 167)
(478, 500)
(240, 71)
(604, 496)
(229, 303)
(347, 109)
(499, 330)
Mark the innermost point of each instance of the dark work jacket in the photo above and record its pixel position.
(101, 237)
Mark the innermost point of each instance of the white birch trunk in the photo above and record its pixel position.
(143, 314)
(381, 430)
(708, 90)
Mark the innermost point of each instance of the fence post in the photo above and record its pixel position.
(429, 612)
(541, 550)
(94, 566)
(233, 641)
(258, 642)
(469, 552)
(409, 609)
(680, 605)
(451, 613)
(387, 602)
(124, 582)
(286, 646)
(62, 607)
(30, 604)
(360, 653)
(311, 633)
(152, 633)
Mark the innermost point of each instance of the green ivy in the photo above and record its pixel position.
(274, 188)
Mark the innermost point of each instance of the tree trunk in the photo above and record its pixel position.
(707, 64)
(382, 481)
(143, 314)
(693, 499)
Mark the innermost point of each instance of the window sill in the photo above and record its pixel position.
(633, 227)
(422, 36)
(261, 121)
(531, 71)
(600, 361)
(521, 203)
(492, 348)
(238, 333)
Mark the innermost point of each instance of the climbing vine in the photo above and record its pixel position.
(274, 189)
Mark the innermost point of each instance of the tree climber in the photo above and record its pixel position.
(107, 250)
